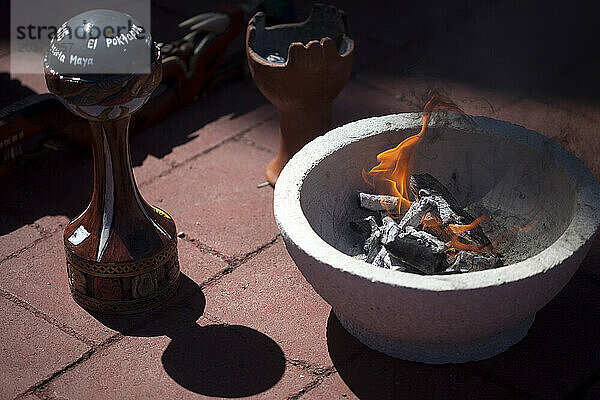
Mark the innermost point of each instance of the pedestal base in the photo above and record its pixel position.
(440, 353)
(124, 287)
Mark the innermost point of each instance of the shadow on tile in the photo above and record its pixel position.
(144, 324)
(374, 375)
(61, 183)
(217, 360)
(224, 360)
(556, 358)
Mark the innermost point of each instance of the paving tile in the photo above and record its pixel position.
(333, 387)
(197, 265)
(369, 374)
(374, 375)
(266, 135)
(396, 380)
(4, 46)
(205, 123)
(214, 199)
(412, 89)
(39, 277)
(51, 223)
(357, 101)
(268, 293)
(561, 349)
(47, 191)
(27, 234)
(147, 166)
(17, 240)
(188, 360)
(31, 349)
(29, 397)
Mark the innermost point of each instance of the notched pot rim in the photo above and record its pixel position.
(296, 46)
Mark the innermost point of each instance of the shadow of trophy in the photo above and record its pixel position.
(121, 251)
(218, 360)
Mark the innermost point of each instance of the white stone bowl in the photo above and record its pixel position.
(513, 175)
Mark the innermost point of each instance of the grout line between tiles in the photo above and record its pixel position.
(40, 314)
(39, 389)
(178, 165)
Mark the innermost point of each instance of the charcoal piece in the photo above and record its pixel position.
(378, 261)
(385, 260)
(416, 212)
(418, 249)
(426, 181)
(373, 243)
(442, 208)
(396, 264)
(375, 202)
(449, 210)
(427, 239)
(432, 223)
(389, 229)
(466, 261)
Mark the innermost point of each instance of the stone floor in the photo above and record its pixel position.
(245, 322)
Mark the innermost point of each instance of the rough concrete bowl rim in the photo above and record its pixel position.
(294, 225)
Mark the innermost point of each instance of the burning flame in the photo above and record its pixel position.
(391, 174)
(390, 177)
(451, 232)
(458, 229)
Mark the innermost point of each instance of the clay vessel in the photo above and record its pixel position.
(300, 68)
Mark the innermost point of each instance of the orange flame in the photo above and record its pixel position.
(433, 224)
(516, 229)
(390, 177)
(458, 229)
(391, 174)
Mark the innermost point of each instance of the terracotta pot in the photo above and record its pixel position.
(300, 68)
(121, 252)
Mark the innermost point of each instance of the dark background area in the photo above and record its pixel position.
(503, 45)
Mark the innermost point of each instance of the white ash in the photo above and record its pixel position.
(417, 210)
(373, 242)
(385, 260)
(375, 202)
(466, 261)
(449, 209)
